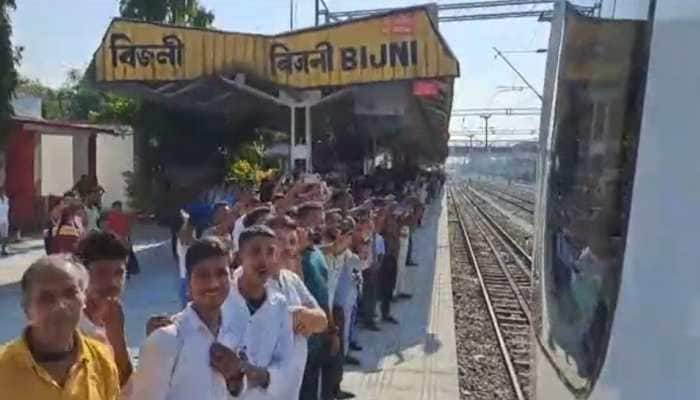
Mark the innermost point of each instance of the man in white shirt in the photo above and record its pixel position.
(104, 256)
(340, 290)
(370, 273)
(246, 203)
(308, 317)
(191, 357)
(262, 331)
(4, 220)
(183, 239)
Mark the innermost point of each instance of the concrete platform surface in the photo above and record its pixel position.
(414, 360)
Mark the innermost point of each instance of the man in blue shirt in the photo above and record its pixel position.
(324, 349)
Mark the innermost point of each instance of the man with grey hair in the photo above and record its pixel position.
(52, 359)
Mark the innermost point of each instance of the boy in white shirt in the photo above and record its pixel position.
(104, 256)
(262, 329)
(185, 360)
(309, 318)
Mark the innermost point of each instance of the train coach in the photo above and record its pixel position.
(617, 277)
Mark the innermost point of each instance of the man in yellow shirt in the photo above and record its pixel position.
(51, 359)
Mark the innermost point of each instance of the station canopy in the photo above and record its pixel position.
(400, 54)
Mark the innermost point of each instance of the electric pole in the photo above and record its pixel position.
(291, 15)
(316, 13)
(486, 130)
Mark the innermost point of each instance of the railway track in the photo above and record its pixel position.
(514, 234)
(504, 279)
(519, 202)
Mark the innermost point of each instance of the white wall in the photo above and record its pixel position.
(115, 155)
(56, 164)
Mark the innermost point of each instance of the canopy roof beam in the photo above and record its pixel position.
(239, 83)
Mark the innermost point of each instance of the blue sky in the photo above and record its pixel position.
(57, 38)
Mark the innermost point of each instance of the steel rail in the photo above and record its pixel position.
(514, 248)
(508, 237)
(509, 314)
(508, 198)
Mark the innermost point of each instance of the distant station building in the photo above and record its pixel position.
(44, 158)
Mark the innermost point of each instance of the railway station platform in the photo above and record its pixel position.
(417, 359)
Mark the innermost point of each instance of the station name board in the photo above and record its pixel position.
(394, 47)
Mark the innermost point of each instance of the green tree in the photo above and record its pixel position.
(9, 58)
(78, 101)
(180, 12)
(82, 100)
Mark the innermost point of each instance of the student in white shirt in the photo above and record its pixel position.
(191, 358)
(308, 317)
(104, 256)
(244, 205)
(262, 327)
(183, 241)
(370, 274)
(340, 292)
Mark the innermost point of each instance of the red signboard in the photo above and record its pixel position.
(400, 24)
(426, 88)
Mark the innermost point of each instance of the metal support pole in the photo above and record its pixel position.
(499, 54)
(291, 15)
(292, 139)
(309, 144)
(486, 130)
(316, 12)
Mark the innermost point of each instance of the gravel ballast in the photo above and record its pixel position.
(482, 373)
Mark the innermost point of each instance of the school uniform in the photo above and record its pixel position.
(297, 295)
(266, 337)
(174, 361)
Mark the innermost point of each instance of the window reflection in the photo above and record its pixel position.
(586, 191)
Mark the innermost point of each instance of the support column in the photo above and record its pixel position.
(309, 146)
(292, 139)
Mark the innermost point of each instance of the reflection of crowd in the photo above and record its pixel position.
(584, 270)
(273, 293)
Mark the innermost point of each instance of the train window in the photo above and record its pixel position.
(586, 190)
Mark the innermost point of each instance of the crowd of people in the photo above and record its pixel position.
(273, 292)
(78, 212)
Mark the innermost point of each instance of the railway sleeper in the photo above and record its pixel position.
(495, 278)
(512, 319)
(515, 329)
(520, 353)
(515, 315)
(506, 308)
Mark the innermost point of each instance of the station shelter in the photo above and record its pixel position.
(386, 72)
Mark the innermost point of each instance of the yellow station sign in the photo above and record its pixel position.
(394, 46)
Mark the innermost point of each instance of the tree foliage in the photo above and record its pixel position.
(75, 100)
(9, 58)
(248, 166)
(179, 12)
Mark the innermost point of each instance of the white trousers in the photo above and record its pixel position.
(347, 310)
(401, 286)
